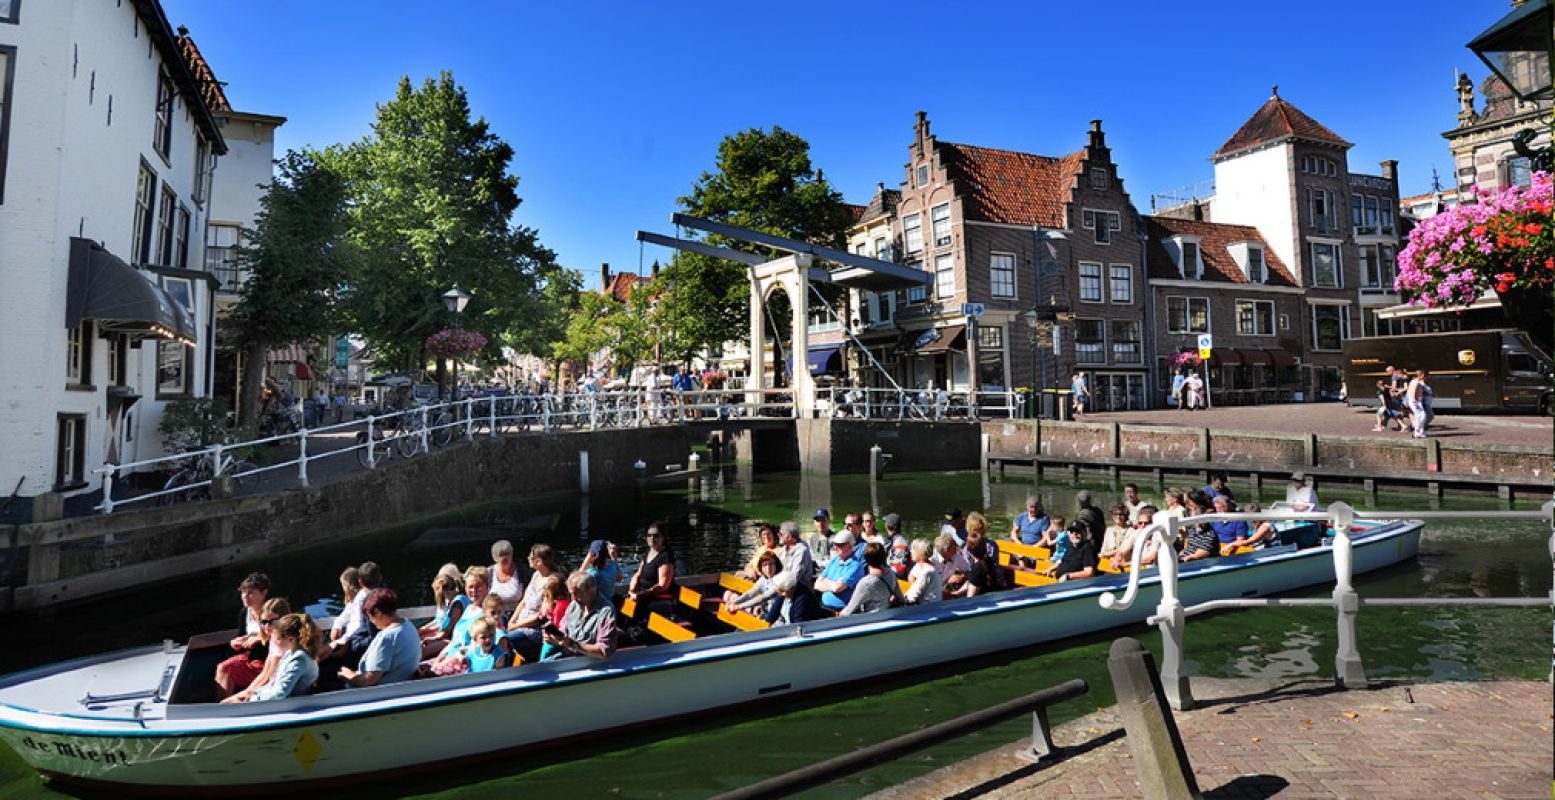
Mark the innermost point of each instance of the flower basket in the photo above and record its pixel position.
(455, 343)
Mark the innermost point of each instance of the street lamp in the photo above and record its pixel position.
(455, 300)
(1517, 50)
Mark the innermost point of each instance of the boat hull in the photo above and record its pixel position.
(370, 734)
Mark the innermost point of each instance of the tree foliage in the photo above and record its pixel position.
(604, 327)
(297, 256)
(431, 206)
(763, 180)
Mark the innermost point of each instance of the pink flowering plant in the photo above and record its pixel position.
(1503, 242)
(455, 343)
(1185, 358)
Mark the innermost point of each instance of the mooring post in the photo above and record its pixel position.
(583, 471)
(1348, 670)
(874, 463)
(1160, 760)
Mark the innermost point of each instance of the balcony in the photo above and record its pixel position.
(222, 262)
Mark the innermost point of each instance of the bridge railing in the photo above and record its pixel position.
(922, 405)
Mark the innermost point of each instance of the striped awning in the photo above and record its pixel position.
(288, 354)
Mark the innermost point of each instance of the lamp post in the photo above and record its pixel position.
(1517, 50)
(455, 300)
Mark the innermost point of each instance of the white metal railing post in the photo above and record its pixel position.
(372, 444)
(1009, 404)
(901, 405)
(108, 489)
(491, 412)
(216, 465)
(469, 419)
(545, 412)
(642, 406)
(425, 432)
(1171, 619)
(302, 457)
(593, 415)
(1348, 670)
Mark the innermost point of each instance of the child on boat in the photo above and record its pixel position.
(554, 606)
(269, 614)
(482, 654)
(448, 661)
(447, 593)
(351, 613)
(296, 638)
(755, 600)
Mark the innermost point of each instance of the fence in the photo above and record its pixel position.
(923, 405)
(1171, 617)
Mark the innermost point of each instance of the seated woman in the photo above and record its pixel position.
(241, 669)
(878, 590)
(351, 612)
(755, 600)
(1261, 532)
(766, 542)
(451, 601)
(924, 584)
(985, 575)
(296, 637)
(273, 610)
(554, 607)
(796, 605)
(655, 576)
(1117, 545)
(523, 627)
(392, 656)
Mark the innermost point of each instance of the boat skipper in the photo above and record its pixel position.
(589, 626)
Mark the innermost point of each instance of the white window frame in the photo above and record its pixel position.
(1100, 277)
(1119, 357)
(75, 346)
(1188, 302)
(939, 224)
(994, 281)
(1344, 325)
(1126, 282)
(1183, 270)
(1102, 234)
(1338, 263)
(917, 294)
(912, 233)
(944, 276)
(1262, 273)
(1237, 306)
(1370, 268)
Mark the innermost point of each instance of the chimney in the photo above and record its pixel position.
(604, 277)
(1198, 210)
(1390, 170)
(1097, 138)
(655, 269)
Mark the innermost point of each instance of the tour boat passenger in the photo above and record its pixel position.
(654, 580)
(899, 559)
(273, 610)
(756, 598)
(296, 637)
(1132, 501)
(348, 648)
(351, 612)
(1149, 543)
(1261, 532)
(878, 590)
(797, 604)
(554, 606)
(983, 553)
(1230, 531)
(1217, 487)
(1057, 537)
(842, 573)
(795, 554)
(1080, 558)
(1201, 540)
(1030, 524)
(240, 670)
(600, 561)
(1087, 513)
(482, 654)
(766, 542)
(589, 626)
(1119, 538)
(952, 564)
(924, 584)
(1175, 507)
(448, 595)
(871, 534)
(820, 541)
(523, 626)
(506, 582)
(854, 525)
(447, 661)
(395, 651)
(1299, 496)
(955, 525)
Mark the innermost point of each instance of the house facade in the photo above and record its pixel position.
(107, 158)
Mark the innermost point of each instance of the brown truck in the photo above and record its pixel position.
(1490, 370)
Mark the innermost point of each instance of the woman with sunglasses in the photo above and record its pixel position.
(269, 614)
(655, 576)
(295, 638)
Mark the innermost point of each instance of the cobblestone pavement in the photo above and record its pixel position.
(1336, 419)
(1254, 739)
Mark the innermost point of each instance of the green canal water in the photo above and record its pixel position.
(711, 531)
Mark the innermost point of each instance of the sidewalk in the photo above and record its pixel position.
(1336, 419)
(1303, 739)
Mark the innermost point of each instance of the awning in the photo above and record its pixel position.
(287, 355)
(1488, 300)
(1226, 357)
(120, 298)
(939, 340)
(1281, 358)
(825, 359)
(301, 371)
(1257, 358)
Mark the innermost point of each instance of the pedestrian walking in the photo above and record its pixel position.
(1193, 387)
(1415, 395)
(1080, 393)
(1178, 381)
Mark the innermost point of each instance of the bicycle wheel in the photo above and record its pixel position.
(379, 451)
(175, 481)
(407, 442)
(442, 432)
(240, 473)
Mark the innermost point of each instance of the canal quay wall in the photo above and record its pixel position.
(69, 560)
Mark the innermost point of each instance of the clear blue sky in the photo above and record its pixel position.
(615, 109)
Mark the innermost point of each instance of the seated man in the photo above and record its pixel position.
(1299, 496)
(395, 651)
(1231, 530)
(1080, 559)
(795, 554)
(1202, 543)
(1260, 534)
(952, 564)
(841, 574)
(589, 624)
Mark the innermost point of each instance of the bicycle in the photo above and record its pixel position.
(197, 472)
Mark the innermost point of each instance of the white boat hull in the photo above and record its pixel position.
(372, 733)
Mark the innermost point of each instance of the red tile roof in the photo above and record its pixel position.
(1006, 186)
(1215, 240)
(210, 88)
(855, 211)
(621, 285)
(1276, 120)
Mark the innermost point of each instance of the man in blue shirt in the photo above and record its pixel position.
(842, 573)
(1031, 523)
(1227, 532)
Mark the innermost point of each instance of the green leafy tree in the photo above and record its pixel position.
(431, 206)
(600, 325)
(763, 180)
(297, 256)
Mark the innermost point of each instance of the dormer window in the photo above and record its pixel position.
(923, 174)
(1186, 249)
(1249, 256)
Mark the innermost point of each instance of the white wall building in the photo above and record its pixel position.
(107, 153)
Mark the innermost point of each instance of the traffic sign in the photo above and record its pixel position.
(1204, 353)
(973, 309)
(1206, 341)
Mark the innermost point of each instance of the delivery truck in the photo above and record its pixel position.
(1489, 370)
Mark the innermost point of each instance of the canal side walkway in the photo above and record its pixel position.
(1338, 419)
(1298, 739)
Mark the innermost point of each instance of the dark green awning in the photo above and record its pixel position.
(120, 298)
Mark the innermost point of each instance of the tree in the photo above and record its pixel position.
(297, 257)
(431, 206)
(600, 324)
(764, 180)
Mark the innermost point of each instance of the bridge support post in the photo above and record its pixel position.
(1348, 670)
(1160, 759)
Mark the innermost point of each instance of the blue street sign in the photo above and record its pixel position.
(973, 309)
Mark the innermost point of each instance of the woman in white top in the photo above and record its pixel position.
(505, 580)
(525, 622)
(924, 583)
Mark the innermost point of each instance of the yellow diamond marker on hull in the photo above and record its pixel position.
(307, 750)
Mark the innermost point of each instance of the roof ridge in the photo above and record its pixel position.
(1004, 150)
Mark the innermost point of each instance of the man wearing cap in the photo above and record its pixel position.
(1299, 495)
(898, 556)
(820, 541)
(842, 573)
(795, 554)
(955, 525)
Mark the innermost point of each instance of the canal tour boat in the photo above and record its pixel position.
(140, 720)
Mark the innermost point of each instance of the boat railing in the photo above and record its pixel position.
(1042, 748)
(1171, 616)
